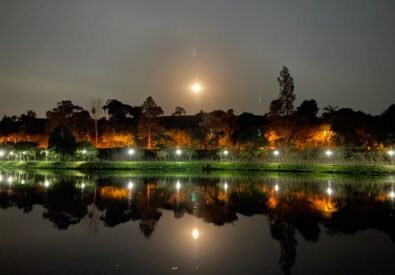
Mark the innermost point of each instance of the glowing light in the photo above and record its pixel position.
(226, 152)
(178, 152)
(195, 233)
(328, 153)
(83, 152)
(46, 183)
(2, 153)
(24, 153)
(226, 186)
(329, 191)
(276, 187)
(276, 153)
(196, 87)
(391, 194)
(1, 178)
(11, 153)
(131, 152)
(10, 180)
(130, 185)
(178, 185)
(22, 181)
(82, 185)
(391, 153)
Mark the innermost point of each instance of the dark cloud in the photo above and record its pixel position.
(339, 52)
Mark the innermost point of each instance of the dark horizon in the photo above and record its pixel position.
(128, 50)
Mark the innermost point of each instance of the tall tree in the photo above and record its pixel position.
(96, 108)
(148, 122)
(287, 87)
(308, 108)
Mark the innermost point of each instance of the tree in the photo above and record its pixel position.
(287, 96)
(67, 114)
(96, 107)
(308, 108)
(62, 141)
(148, 124)
(120, 111)
(330, 109)
(179, 111)
(276, 107)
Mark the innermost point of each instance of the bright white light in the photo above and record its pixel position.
(276, 187)
(276, 153)
(46, 183)
(195, 233)
(226, 186)
(391, 153)
(11, 153)
(10, 180)
(178, 185)
(391, 195)
(178, 152)
(329, 191)
(83, 152)
(2, 153)
(328, 153)
(131, 152)
(226, 152)
(130, 185)
(82, 185)
(1, 178)
(196, 87)
(24, 153)
(22, 181)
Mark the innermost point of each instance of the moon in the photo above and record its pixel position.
(196, 87)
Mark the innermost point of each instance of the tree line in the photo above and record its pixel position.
(115, 124)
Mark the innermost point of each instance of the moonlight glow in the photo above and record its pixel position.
(196, 87)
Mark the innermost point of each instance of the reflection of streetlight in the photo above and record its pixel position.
(178, 185)
(195, 233)
(226, 186)
(130, 185)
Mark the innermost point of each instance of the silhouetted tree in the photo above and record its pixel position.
(287, 95)
(179, 111)
(62, 141)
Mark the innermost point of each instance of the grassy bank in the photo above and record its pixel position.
(203, 166)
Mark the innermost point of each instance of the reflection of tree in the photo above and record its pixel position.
(62, 207)
(285, 234)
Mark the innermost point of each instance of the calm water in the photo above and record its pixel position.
(113, 224)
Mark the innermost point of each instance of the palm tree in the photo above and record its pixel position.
(330, 109)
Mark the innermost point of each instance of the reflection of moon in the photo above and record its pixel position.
(195, 233)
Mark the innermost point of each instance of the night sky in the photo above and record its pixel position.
(339, 52)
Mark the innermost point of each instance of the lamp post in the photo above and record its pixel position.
(131, 153)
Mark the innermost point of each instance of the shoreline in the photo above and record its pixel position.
(202, 166)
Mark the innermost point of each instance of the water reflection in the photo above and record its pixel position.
(292, 206)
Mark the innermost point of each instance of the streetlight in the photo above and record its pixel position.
(328, 153)
(276, 153)
(178, 185)
(276, 187)
(83, 151)
(2, 153)
(131, 152)
(178, 152)
(226, 186)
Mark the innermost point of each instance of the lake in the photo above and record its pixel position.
(116, 223)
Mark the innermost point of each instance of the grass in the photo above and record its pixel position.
(201, 166)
